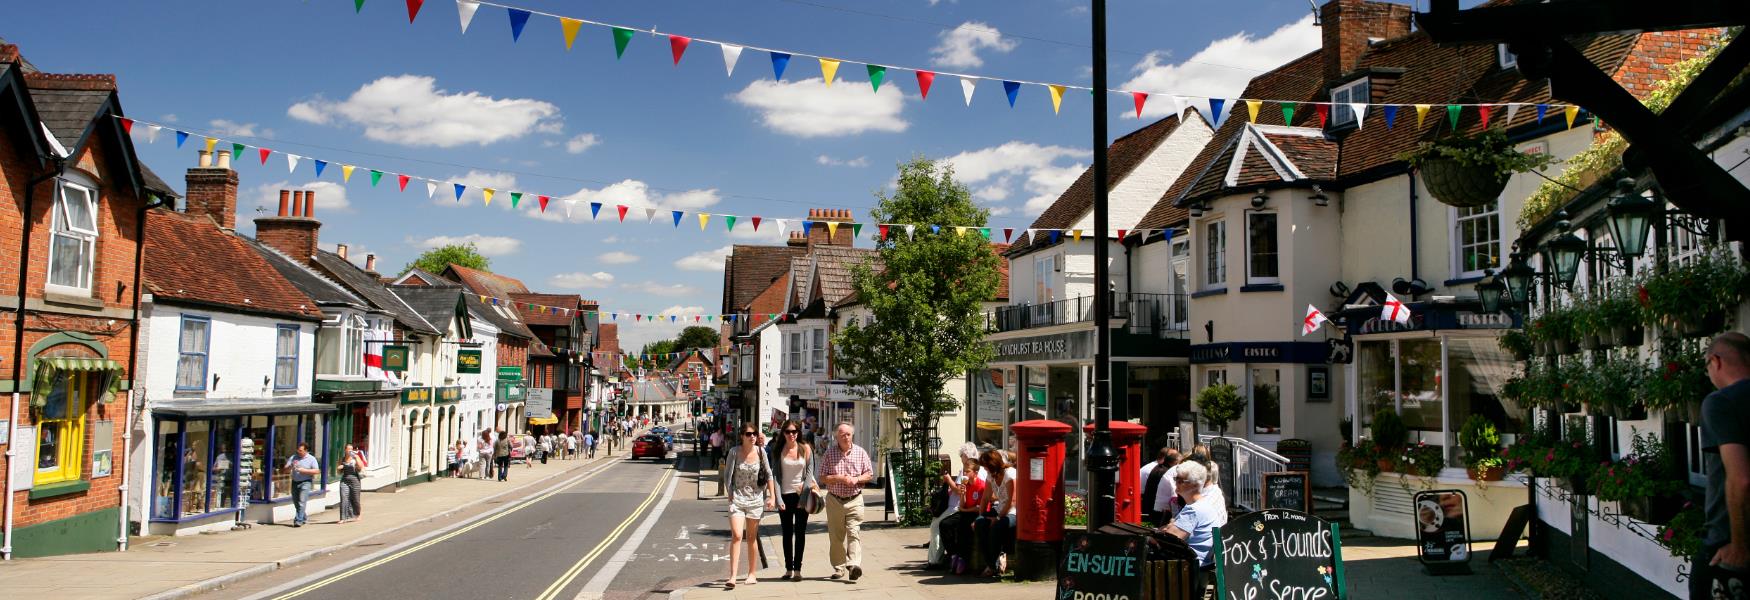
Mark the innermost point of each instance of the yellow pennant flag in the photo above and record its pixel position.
(703, 219)
(1421, 113)
(346, 173)
(211, 141)
(832, 229)
(828, 68)
(570, 26)
(487, 192)
(1571, 111)
(1076, 233)
(1252, 110)
(1056, 97)
(959, 231)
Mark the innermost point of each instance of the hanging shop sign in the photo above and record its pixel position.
(1276, 553)
(468, 361)
(395, 358)
(416, 395)
(1260, 352)
(510, 373)
(1075, 345)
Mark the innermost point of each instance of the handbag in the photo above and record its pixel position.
(813, 502)
(765, 474)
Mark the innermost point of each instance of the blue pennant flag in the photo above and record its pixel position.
(320, 165)
(807, 226)
(935, 229)
(1391, 115)
(459, 189)
(1012, 89)
(779, 61)
(1215, 105)
(1055, 234)
(182, 136)
(595, 208)
(1541, 110)
(677, 218)
(1169, 236)
(518, 18)
(731, 317)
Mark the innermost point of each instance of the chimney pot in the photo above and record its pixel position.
(205, 160)
(340, 249)
(224, 159)
(297, 203)
(309, 203)
(371, 263)
(285, 201)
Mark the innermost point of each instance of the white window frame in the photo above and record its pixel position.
(817, 350)
(1343, 95)
(1506, 58)
(1043, 269)
(280, 384)
(1277, 233)
(1214, 254)
(1456, 223)
(793, 341)
(86, 237)
(352, 346)
(204, 355)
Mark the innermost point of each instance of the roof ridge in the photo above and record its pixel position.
(71, 81)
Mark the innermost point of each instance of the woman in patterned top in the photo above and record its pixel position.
(752, 491)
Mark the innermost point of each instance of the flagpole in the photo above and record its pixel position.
(1102, 460)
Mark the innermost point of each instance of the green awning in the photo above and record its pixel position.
(50, 368)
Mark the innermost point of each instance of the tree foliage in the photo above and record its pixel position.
(925, 304)
(691, 338)
(696, 336)
(436, 259)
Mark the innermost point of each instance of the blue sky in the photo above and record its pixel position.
(311, 77)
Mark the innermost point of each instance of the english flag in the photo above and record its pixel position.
(1394, 310)
(1313, 320)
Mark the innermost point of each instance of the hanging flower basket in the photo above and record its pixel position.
(1626, 335)
(1455, 184)
(1471, 170)
(1703, 326)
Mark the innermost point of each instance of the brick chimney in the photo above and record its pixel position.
(212, 189)
(820, 235)
(293, 231)
(797, 240)
(1351, 25)
(371, 266)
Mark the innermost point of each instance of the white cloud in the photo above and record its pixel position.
(330, 197)
(583, 141)
(635, 195)
(229, 128)
(410, 110)
(581, 280)
(704, 260)
(861, 161)
(1222, 68)
(488, 245)
(995, 192)
(1038, 170)
(617, 258)
(809, 108)
(662, 289)
(355, 253)
(960, 46)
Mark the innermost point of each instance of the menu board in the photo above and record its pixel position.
(1288, 489)
(1098, 565)
(1442, 531)
(1277, 553)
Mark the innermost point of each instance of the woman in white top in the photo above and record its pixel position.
(996, 529)
(795, 461)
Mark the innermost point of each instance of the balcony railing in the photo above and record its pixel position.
(1147, 314)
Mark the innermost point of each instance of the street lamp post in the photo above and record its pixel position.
(1102, 460)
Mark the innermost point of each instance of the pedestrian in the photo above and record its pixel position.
(716, 446)
(996, 528)
(546, 449)
(1152, 476)
(1196, 522)
(501, 455)
(304, 468)
(796, 484)
(352, 466)
(844, 470)
(488, 459)
(589, 445)
(752, 491)
(570, 445)
(1725, 446)
(951, 539)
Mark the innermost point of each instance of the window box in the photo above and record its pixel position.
(59, 489)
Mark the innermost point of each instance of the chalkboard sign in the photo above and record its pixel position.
(1276, 553)
(1443, 531)
(1510, 533)
(1097, 565)
(1221, 452)
(1288, 489)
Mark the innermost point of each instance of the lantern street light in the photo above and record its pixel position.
(1631, 216)
(1518, 277)
(1563, 255)
(1489, 292)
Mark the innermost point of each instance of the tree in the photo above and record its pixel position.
(927, 309)
(436, 259)
(696, 336)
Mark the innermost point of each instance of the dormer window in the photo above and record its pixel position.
(1344, 95)
(1506, 57)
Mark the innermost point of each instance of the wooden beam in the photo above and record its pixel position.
(1493, 24)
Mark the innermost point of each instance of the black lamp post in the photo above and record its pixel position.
(1518, 277)
(1563, 254)
(1631, 216)
(1489, 292)
(1102, 458)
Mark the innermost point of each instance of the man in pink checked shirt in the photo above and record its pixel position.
(844, 470)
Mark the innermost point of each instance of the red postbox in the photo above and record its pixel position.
(1039, 480)
(1127, 442)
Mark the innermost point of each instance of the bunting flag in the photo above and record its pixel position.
(876, 74)
(182, 136)
(756, 223)
(430, 189)
(518, 19)
(622, 208)
(543, 201)
(465, 9)
(1452, 113)
(210, 143)
(459, 189)
(1057, 98)
(1323, 111)
(1391, 115)
(677, 218)
(910, 232)
(375, 177)
(320, 165)
(1360, 110)
(264, 152)
(832, 229)
(127, 124)
(569, 28)
(1215, 105)
(1056, 234)
(487, 193)
(1570, 112)
(729, 222)
(677, 45)
(1421, 114)
(1139, 98)
(984, 231)
(622, 36)
(731, 53)
(1011, 89)
(649, 215)
(1483, 112)
(515, 199)
(152, 133)
(358, 6)
(779, 61)
(1077, 234)
(828, 68)
(1512, 110)
(1541, 110)
(925, 78)
(1252, 107)
(402, 179)
(704, 219)
(595, 210)
(807, 228)
(413, 9)
(1288, 113)
(856, 230)
(966, 89)
(1008, 234)
(237, 151)
(291, 163)
(880, 232)
(346, 173)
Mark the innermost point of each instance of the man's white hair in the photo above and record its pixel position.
(969, 451)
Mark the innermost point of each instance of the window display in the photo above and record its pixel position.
(1266, 400)
(194, 468)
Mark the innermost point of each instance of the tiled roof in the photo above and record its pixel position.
(544, 316)
(651, 392)
(190, 258)
(418, 276)
(504, 321)
(835, 266)
(436, 304)
(373, 290)
(68, 113)
(751, 269)
(800, 282)
(314, 285)
(1123, 155)
(491, 284)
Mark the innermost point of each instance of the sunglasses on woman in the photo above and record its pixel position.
(791, 432)
(747, 434)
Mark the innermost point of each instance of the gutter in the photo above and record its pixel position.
(121, 533)
(60, 167)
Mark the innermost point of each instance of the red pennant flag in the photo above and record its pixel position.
(264, 152)
(695, 318)
(924, 80)
(403, 179)
(678, 46)
(756, 223)
(622, 208)
(543, 200)
(1139, 98)
(1121, 233)
(637, 317)
(127, 125)
(1484, 111)
(1324, 110)
(1008, 233)
(883, 228)
(413, 9)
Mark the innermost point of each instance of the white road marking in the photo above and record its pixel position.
(598, 585)
(682, 535)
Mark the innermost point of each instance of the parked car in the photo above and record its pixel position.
(667, 436)
(649, 445)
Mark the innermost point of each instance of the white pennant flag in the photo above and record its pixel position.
(1360, 109)
(568, 205)
(291, 163)
(1512, 109)
(649, 215)
(1030, 236)
(1179, 105)
(966, 88)
(731, 53)
(782, 225)
(1313, 320)
(909, 229)
(466, 9)
(430, 188)
(152, 133)
(1394, 310)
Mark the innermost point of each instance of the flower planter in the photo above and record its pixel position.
(1626, 335)
(1589, 342)
(1702, 326)
(1573, 485)
(1485, 473)
(1634, 412)
(1543, 348)
(1387, 465)
(1656, 511)
(1462, 186)
(1565, 346)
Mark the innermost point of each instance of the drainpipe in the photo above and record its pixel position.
(60, 166)
(1415, 246)
(121, 535)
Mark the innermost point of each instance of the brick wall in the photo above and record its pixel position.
(1347, 26)
(513, 352)
(820, 235)
(1655, 52)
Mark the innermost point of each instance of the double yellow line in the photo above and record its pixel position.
(571, 574)
(477, 524)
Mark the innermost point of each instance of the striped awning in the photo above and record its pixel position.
(50, 368)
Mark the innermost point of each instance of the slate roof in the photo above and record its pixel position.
(372, 289)
(544, 317)
(67, 113)
(189, 258)
(314, 285)
(651, 392)
(506, 324)
(434, 303)
(1123, 155)
(418, 276)
(834, 268)
(749, 270)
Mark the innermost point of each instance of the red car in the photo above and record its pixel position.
(649, 446)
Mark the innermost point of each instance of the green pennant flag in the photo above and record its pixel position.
(515, 197)
(375, 177)
(856, 229)
(358, 6)
(984, 231)
(876, 74)
(237, 152)
(730, 220)
(772, 316)
(622, 36)
(1452, 111)
(1287, 113)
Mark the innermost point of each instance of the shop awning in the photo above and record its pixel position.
(229, 407)
(52, 367)
(543, 420)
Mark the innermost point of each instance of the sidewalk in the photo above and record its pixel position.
(170, 567)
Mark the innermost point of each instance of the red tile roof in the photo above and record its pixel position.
(540, 315)
(482, 282)
(751, 269)
(189, 258)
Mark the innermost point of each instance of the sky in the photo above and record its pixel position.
(311, 77)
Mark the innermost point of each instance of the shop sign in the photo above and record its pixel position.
(540, 403)
(1097, 565)
(395, 358)
(448, 395)
(416, 395)
(468, 361)
(1276, 553)
(510, 373)
(1075, 345)
(1434, 319)
(1260, 352)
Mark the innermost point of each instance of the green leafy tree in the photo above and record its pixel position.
(436, 259)
(926, 304)
(696, 336)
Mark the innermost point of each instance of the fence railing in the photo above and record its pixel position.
(1152, 314)
(1244, 482)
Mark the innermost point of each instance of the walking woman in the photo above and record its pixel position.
(352, 466)
(795, 460)
(996, 529)
(752, 491)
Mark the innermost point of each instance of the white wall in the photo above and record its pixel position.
(1130, 200)
(240, 352)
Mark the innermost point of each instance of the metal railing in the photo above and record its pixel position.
(1244, 484)
(1152, 314)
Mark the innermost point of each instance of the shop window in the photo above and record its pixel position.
(1262, 248)
(60, 445)
(1419, 393)
(991, 391)
(223, 484)
(1436, 385)
(1267, 400)
(191, 364)
(195, 475)
(1476, 232)
(165, 484)
(285, 360)
(262, 470)
(1215, 254)
(285, 446)
(73, 238)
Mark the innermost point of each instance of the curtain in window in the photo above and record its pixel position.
(191, 366)
(285, 366)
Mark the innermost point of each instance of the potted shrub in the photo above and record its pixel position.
(1471, 170)
(1647, 483)
(1613, 383)
(1389, 433)
(1692, 299)
(1583, 320)
(1481, 442)
(1558, 325)
(1677, 383)
(1517, 343)
(1422, 460)
(1221, 404)
(1618, 317)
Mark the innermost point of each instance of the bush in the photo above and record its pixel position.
(1479, 438)
(1422, 459)
(1682, 536)
(1650, 472)
(1221, 404)
(1517, 343)
(1688, 293)
(1677, 380)
(1389, 430)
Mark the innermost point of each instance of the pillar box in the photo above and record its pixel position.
(1127, 442)
(1038, 497)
